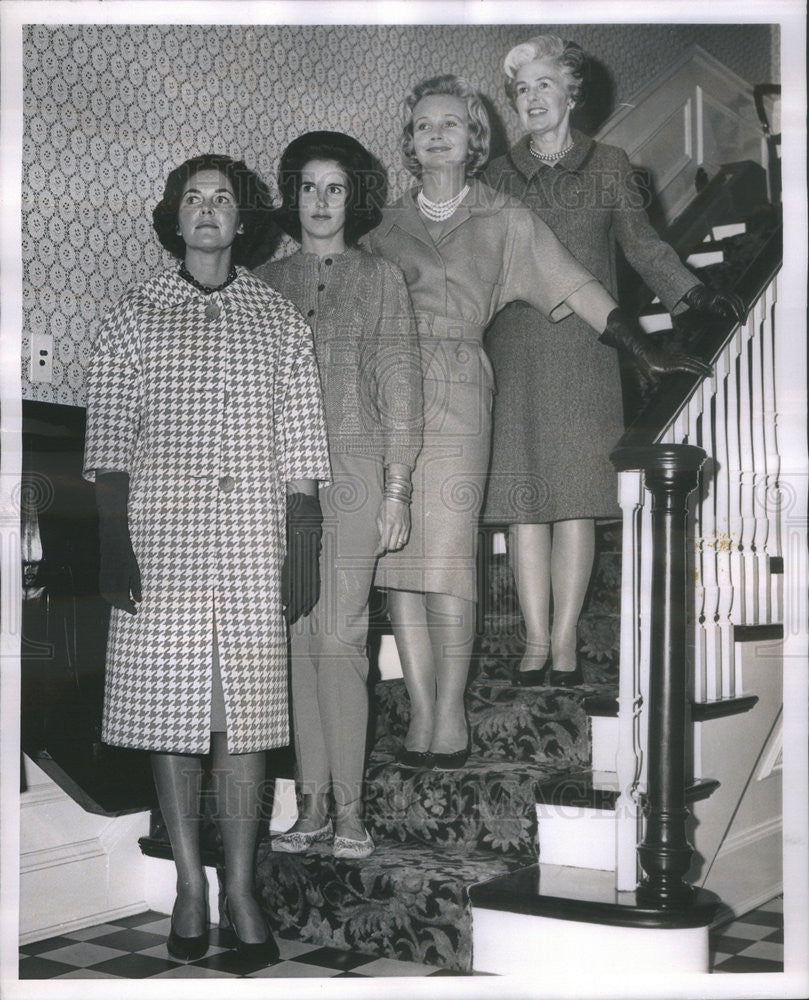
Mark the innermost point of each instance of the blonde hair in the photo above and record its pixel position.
(479, 129)
(569, 57)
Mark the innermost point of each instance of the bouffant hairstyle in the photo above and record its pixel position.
(252, 196)
(479, 129)
(367, 182)
(569, 57)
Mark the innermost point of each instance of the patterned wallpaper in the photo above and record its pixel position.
(110, 109)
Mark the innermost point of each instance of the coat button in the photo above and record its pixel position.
(320, 288)
(311, 312)
(212, 311)
(227, 484)
(328, 262)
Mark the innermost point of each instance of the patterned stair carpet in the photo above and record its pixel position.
(436, 832)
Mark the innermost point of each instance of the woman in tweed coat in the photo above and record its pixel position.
(204, 409)
(558, 410)
(465, 251)
(368, 356)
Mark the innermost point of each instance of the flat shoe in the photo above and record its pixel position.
(414, 758)
(345, 847)
(566, 678)
(295, 842)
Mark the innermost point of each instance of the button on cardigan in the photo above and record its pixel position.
(210, 415)
(367, 349)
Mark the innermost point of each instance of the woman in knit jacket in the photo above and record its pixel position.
(368, 355)
(558, 411)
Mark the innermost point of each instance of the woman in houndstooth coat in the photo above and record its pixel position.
(204, 411)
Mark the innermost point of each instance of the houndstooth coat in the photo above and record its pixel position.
(210, 402)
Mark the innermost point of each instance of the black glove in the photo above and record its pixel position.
(300, 575)
(118, 572)
(728, 305)
(651, 358)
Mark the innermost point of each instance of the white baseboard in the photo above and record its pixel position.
(747, 870)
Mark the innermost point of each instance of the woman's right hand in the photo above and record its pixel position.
(393, 522)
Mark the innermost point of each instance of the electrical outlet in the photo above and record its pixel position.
(41, 357)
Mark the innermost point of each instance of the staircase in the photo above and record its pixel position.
(437, 833)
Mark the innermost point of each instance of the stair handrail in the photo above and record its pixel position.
(675, 392)
(670, 470)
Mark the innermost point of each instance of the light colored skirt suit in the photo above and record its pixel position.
(493, 250)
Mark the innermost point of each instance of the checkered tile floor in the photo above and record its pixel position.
(752, 943)
(135, 948)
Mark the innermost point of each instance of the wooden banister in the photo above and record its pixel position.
(670, 474)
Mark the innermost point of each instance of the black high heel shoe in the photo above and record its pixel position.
(450, 761)
(414, 758)
(187, 949)
(258, 951)
(534, 678)
(566, 678)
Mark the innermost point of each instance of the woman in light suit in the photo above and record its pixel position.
(465, 251)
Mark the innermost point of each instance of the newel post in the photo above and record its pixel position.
(670, 473)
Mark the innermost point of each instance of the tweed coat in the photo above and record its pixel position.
(558, 410)
(211, 403)
(491, 251)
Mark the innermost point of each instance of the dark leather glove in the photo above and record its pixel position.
(300, 575)
(728, 305)
(651, 358)
(118, 574)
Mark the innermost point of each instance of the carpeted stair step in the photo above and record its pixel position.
(544, 726)
(486, 805)
(406, 901)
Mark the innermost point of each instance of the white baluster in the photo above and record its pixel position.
(693, 415)
(746, 475)
(645, 606)
(759, 463)
(708, 540)
(629, 752)
(770, 498)
(733, 349)
(724, 582)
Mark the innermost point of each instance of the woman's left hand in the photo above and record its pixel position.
(393, 521)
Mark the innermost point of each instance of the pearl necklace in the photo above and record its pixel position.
(548, 157)
(439, 211)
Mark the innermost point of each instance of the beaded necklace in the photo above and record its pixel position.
(439, 211)
(185, 273)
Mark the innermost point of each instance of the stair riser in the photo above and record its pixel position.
(520, 945)
(577, 836)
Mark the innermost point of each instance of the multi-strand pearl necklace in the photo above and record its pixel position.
(549, 157)
(439, 211)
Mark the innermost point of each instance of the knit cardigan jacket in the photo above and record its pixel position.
(366, 346)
